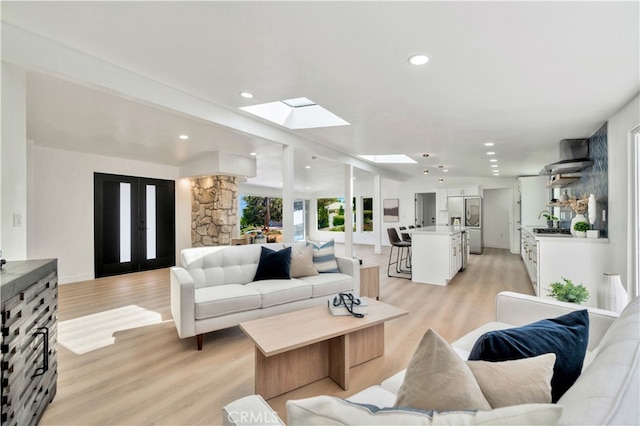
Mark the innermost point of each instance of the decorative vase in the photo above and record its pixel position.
(577, 218)
(581, 234)
(591, 210)
(564, 196)
(611, 293)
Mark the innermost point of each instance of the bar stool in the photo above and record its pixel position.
(405, 236)
(400, 245)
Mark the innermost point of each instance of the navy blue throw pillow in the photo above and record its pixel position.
(274, 265)
(566, 336)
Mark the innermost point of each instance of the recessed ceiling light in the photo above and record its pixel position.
(184, 137)
(491, 153)
(307, 167)
(418, 59)
(441, 180)
(494, 165)
(489, 144)
(426, 171)
(254, 154)
(246, 95)
(445, 170)
(494, 160)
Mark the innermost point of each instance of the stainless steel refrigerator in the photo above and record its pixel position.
(467, 211)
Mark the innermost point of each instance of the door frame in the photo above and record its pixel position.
(137, 236)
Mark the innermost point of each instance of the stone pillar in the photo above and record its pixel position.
(214, 211)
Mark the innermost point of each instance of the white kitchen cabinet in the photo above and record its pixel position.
(549, 259)
(436, 254)
(455, 259)
(534, 197)
(529, 254)
(467, 191)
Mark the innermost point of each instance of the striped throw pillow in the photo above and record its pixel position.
(324, 259)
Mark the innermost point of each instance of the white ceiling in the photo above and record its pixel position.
(521, 74)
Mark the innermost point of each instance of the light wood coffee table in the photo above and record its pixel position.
(298, 348)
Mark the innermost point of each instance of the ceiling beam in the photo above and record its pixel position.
(35, 53)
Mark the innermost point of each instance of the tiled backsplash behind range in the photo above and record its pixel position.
(595, 179)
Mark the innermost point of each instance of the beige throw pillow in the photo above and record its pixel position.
(438, 379)
(522, 381)
(302, 261)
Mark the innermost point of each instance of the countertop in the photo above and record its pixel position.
(436, 230)
(16, 276)
(563, 237)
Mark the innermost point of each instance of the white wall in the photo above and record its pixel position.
(61, 214)
(13, 164)
(620, 172)
(497, 218)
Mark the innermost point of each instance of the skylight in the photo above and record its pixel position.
(296, 113)
(389, 159)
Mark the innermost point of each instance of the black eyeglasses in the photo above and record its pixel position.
(348, 300)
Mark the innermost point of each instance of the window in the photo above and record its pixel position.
(331, 214)
(261, 215)
(635, 260)
(299, 220)
(367, 214)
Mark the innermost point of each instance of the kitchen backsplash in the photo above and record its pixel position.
(595, 179)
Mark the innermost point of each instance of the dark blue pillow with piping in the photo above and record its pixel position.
(566, 336)
(274, 265)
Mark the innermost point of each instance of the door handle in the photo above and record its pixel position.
(44, 331)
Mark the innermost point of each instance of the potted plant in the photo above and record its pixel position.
(552, 221)
(566, 291)
(581, 229)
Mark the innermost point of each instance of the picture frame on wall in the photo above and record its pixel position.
(390, 210)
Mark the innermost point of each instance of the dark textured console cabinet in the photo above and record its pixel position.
(29, 339)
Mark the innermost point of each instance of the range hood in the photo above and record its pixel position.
(574, 156)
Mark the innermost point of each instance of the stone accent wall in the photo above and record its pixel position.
(214, 211)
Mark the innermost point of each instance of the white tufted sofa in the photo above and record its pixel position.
(606, 393)
(214, 288)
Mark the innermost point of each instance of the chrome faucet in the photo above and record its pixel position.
(543, 212)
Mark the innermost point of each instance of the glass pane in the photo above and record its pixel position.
(367, 214)
(331, 214)
(125, 222)
(298, 221)
(151, 222)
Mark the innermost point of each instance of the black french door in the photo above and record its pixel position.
(134, 224)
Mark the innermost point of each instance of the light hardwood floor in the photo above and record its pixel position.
(121, 361)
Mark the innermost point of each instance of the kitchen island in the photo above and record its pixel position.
(437, 253)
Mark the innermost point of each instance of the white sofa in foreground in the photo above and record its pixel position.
(605, 393)
(214, 287)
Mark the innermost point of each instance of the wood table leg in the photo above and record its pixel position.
(290, 370)
(339, 360)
